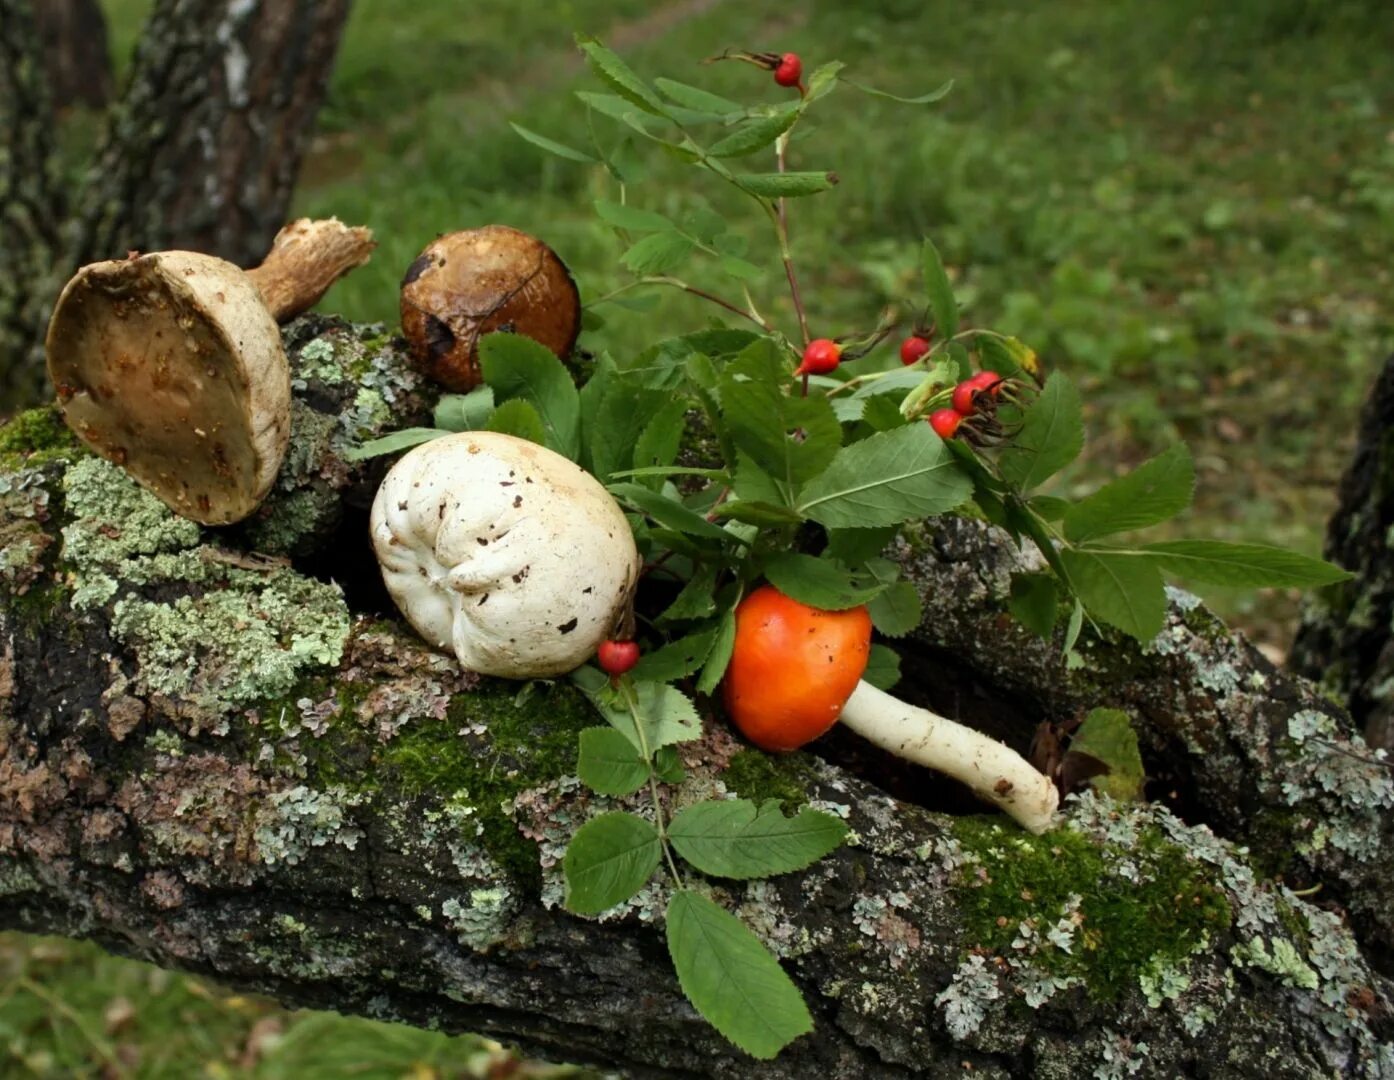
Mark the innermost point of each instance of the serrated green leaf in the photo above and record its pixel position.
(515, 366)
(660, 439)
(891, 477)
(696, 600)
(895, 382)
(1122, 590)
(753, 512)
(610, 764)
(1108, 735)
(658, 253)
(753, 484)
(731, 978)
(855, 546)
(1073, 627)
(617, 108)
(1051, 436)
(632, 218)
(520, 419)
(735, 839)
(664, 366)
(692, 97)
(823, 81)
(790, 438)
(941, 294)
(820, 583)
(882, 414)
(738, 268)
(882, 668)
(390, 444)
(720, 657)
(465, 412)
(610, 858)
(619, 421)
(616, 74)
(1154, 492)
(1007, 356)
(667, 512)
(664, 713)
(939, 93)
(755, 134)
(1035, 602)
(678, 659)
(786, 185)
(1244, 566)
(667, 766)
(1050, 507)
(897, 611)
(561, 150)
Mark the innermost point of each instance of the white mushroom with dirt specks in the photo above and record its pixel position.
(504, 552)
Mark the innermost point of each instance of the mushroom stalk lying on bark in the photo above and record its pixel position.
(505, 552)
(796, 670)
(170, 364)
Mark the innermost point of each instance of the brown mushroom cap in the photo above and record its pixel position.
(467, 284)
(171, 366)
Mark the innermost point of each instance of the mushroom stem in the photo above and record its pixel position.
(992, 769)
(305, 259)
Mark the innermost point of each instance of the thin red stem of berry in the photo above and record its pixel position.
(782, 224)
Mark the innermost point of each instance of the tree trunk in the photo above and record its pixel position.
(74, 38)
(1345, 640)
(214, 760)
(201, 152)
(32, 205)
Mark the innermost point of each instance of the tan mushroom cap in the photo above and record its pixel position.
(171, 366)
(470, 283)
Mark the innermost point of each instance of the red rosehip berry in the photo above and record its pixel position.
(820, 357)
(789, 70)
(945, 422)
(965, 399)
(912, 348)
(617, 657)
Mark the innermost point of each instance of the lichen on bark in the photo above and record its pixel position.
(238, 762)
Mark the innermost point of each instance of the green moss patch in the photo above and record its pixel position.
(1137, 906)
(36, 430)
(758, 776)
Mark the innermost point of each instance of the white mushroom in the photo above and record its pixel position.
(170, 364)
(505, 552)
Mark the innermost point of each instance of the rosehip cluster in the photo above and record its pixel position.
(974, 395)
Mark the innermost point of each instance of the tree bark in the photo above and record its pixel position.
(76, 56)
(32, 205)
(201, 152)
(1344, 642)
(215, 760)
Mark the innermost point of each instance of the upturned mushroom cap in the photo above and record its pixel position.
(504, 552)
(170, 365)
(470, 283)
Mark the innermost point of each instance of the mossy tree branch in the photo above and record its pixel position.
(213, 760)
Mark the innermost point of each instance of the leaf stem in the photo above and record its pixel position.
(678, 283)
(781, 224)
(633, 705)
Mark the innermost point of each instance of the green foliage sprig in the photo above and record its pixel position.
(804, 483)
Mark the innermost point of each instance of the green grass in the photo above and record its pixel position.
(1189, 207)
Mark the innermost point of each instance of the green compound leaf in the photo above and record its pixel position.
(610, 858)
(1051, 436)
(695, 601)
(669, 513)
(518, 367)
(941, 294)
(735, 839)
(561, 150)
(620, 77)
(756, 134)
(658, 444)
(891, 477)
(1107, 734)
(820, 583)
(1154, 492)
(786, 185)
(882, 667)
(665, 714)
(1035, 602)
(609, 763)
(1246, 566)
(520, 419)
(632, 218)
(1121, 589)
(791, 438)
(732, 979)
(897, 611)
(465, 412)
(390, 444)
(692, 97)
(658, 253)
(939, 93)
(678, 659)
(720, 656)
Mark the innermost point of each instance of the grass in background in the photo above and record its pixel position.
(1188, 207)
